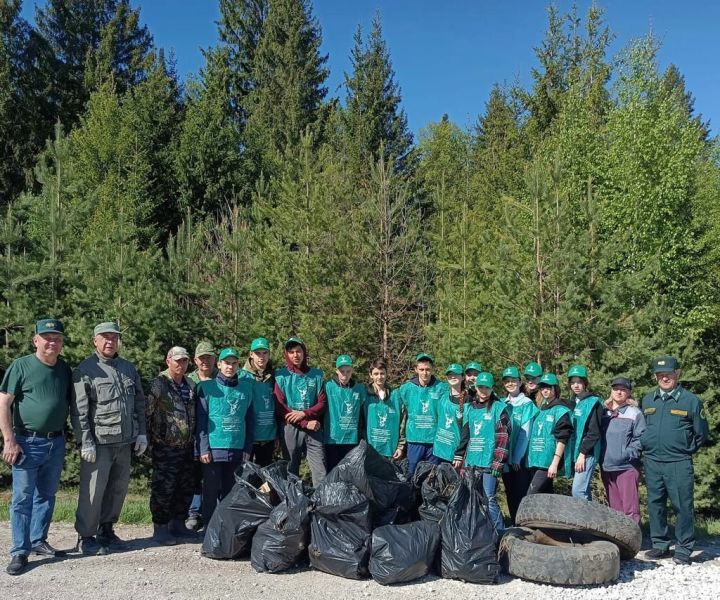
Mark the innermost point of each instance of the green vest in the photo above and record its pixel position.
(301, 389)
(542, 441)
(482, 424)
(265, 423)
(227, 408)
(580, 415)
(342, 418)
(447, 435)
(383, 422)
(519, 416)
(422, 404)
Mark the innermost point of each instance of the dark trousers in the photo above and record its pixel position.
(334, 453)
(263, 452)
(673, 480)
(540, 483)
(417, 452)
(516, 488)
(218, 480)
(171, 488)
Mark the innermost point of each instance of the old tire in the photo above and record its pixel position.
(531, 555)
(551, 511)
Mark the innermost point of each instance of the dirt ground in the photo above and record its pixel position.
(148, 571)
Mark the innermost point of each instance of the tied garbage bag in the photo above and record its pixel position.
(403, 552)
(469, 539)
(281, 542)
(340, 530)
(392, 497)
(239, 514)
(436, 483)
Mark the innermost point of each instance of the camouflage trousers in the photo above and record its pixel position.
(172, 484)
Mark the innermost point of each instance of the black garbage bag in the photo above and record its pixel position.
(281, 542)
(403, 552)
(340, 530)
(436, 483)
(378, 479)
(239, 514)
(469, 540)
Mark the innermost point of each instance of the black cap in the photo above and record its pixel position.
(621, 382)
(665, 364)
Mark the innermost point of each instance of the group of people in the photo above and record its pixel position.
(201, 426)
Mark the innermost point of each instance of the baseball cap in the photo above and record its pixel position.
(343, 360)
(204, 349)
(227, 352)
(473, 365)
(259, 344)
(106, 327)
(665, 364)
(485, 379)
(49, 326)
(621, 382)
(455, 369)
(177, 352)
(294, 341)
(424, 356)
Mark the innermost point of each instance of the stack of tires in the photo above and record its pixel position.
(568, 541)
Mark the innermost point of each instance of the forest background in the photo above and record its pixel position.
(578, 219)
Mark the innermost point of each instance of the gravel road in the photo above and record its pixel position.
(147, 571)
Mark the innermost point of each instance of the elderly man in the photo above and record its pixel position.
(108, 416)
(676, 427)
(171, 428)
(34, 398)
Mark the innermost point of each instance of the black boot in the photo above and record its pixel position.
(162, 535)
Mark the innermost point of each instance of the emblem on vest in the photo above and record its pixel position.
(425, 405)
(448, 422)
(267, 402)
(382, 419)
(303, 394)
(348, 407)
(476, 428)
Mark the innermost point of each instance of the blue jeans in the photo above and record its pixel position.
(490, 488)
(581, 481)
(34, 483)
(195, 509)
(417, 452)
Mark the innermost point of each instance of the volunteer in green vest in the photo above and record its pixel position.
(586, 443)
(472, 370)
(450, 414)
(551, 432)
(382, 412)
(522, 411)
(300, 401)
(676, 428)
(531, 379)
(259, 368)
(484, 441)
(224, 429)
(345, 401)
(420, 401)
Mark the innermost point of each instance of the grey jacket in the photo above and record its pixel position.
(109, 404)
(621, 438)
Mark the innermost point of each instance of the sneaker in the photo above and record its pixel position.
(89, 546)
(681, 559)
(656, 553)
(17, 565)
(108, 538)
(45, 549)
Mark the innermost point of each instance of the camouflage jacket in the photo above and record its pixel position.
(170, 419)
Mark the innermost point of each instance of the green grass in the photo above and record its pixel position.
(136, 510)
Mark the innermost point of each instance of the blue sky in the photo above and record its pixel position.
(448, 54)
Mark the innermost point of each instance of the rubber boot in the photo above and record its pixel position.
(162, 535)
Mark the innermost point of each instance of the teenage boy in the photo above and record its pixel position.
(300, 402)
(345, 400)
(420, 401)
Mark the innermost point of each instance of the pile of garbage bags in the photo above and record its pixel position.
(365, 519)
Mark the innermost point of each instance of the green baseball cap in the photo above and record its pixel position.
(424, 356)
(472, 365)
(259, 344)
(455, 369)
(577, 371)
(106, 327)
(665, 364)
(204, 348)
(227, 352)
(294, 341)
(49, 326)
(485, 379)
(343, 360)
(533, 369)
(511, 373)
(549, 379)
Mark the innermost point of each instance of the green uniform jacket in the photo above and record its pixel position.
(675, 428)
(421, 404)
(342, 417)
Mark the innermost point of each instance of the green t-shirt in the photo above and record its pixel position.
(42, 393)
